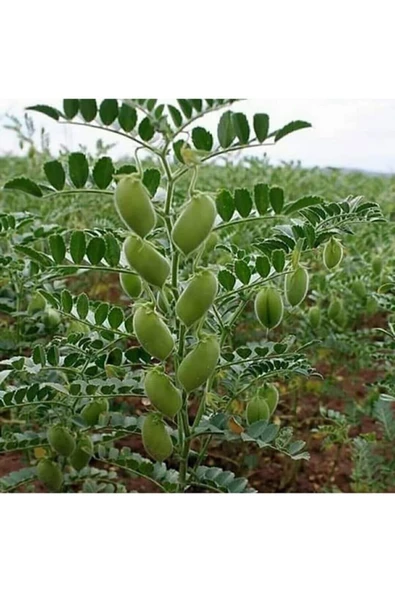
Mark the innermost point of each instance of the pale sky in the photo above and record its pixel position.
(358, 133)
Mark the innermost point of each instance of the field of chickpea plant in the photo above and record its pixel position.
(184, 322)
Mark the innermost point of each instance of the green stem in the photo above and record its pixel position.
(150, 293)
(253, 285)
(174, 269)
(114, 131)
(218, 317)
(200, 411)
(74, 191)
(185, 448)
(245, 220)
(94, 268)
(170, 187)
(192, 184)
(181, 172)
(181, 341)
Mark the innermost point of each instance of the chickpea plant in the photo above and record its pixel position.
(188, 284)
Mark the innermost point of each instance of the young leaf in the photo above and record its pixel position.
(241, 127)
(151, 179)
(291, 127)
(78, 169)
(225, 205)
(101, 313)
(82, 306)
(115, 317)
(108, 111)
(243, 272)
(276, 196)
(226, 279)
(25, 185)
(226, 131)
(146, 130)
(46, 110)
(39, 355)
(58, 248)
(262, 265)
(113, 250)
(278, 260)
(261, 126)
(175, 115)
(53, 355)
(77, 246)
(71, 107)
(126, 169)
(95, 250)
(67, 301)
(186, 107)
(197, 104)
(202, 139)
(261, 198)
(127, 117)
(243, 202)
(103, 172)
(55, 174)
(88, 109)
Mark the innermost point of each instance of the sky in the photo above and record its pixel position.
(346, 133)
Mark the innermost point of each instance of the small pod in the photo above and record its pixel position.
(131, 284)
(296, 286)
(146, 260)
(152, 333)
(359, 289)
(61, 440)
(194, 223)
(335, 309)
(197, 297)
(162, 393)
(333, 253)
(314, 317)
(270, 395)
(134, 206)
(51, 318)
(199, 364)
(156, 439)
(92, 411)
(49, 473)
(269, 308)
(257, 410)
(82, 454)
(36, 304)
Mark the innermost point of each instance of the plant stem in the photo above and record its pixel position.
(253, 285)
(183, 171)
(174, 269)
(200, 411)
(245, 220)
(114, 131)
